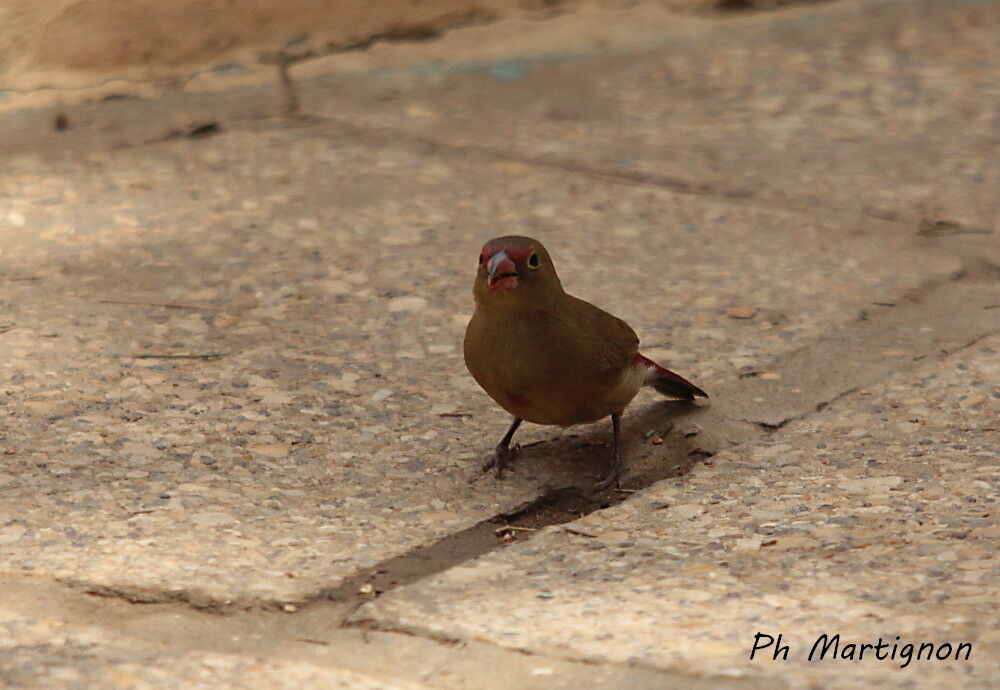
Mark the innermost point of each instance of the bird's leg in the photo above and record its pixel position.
(616, 461)
(504, 454)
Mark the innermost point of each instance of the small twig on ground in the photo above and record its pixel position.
(514, 528)
(455, 414)
(284, 61)
(293, 105)
(948, 227)
(168, 305)
(207, 355)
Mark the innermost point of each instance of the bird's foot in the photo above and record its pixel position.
(614, 478)
(501, 460)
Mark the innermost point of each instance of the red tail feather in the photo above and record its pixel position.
(668, 383)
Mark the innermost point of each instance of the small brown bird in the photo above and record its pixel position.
(548, 357)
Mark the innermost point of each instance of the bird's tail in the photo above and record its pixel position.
(667, 382)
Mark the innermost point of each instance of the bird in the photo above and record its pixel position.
(550, 358)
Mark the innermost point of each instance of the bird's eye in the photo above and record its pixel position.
(533, 261)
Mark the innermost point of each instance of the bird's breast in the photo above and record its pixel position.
(547, 377)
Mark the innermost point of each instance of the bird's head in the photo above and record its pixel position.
(513, 269)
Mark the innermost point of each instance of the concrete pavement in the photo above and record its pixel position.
(236, 408)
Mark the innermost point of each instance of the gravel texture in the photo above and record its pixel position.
(876, 517)
(332, 278)
(889, 108)
(231, 373)
(45, 651)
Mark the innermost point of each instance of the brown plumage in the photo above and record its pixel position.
(548, 357)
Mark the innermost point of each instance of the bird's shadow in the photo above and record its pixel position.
(658, 441)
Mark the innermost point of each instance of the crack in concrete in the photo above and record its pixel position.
(291, 93)
(554, 506)
(564, 504)
(134, 595)
(945, 303)
(560, 499)
(826, 403)
(692, 682)
(308, 637)
(642, 179)
(405, 34)
(934, 303)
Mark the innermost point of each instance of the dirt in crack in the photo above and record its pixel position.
(864, 343)
(554, 508)
(928, 324)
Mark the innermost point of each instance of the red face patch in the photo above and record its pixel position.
(517, 253)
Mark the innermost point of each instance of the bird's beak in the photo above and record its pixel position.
(501, 271)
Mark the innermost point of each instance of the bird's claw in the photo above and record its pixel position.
(613, 479)
(502, 458)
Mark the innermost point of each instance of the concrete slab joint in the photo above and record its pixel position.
(240, 446)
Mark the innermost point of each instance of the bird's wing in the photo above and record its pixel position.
(610, 342)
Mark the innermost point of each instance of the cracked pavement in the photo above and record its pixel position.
(240, 446)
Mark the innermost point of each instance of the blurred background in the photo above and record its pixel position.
(80, 44)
